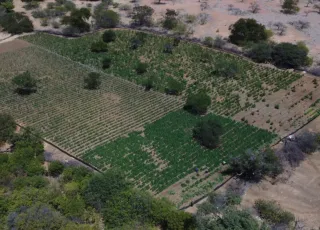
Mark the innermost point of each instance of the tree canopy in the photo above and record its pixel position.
(247, 30)
(25, 83)
(7, 127)
(77, 19)
(207, 132)
(198, 103)
(142, 15)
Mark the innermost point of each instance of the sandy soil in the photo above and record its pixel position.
(300, 193)
(10, 46)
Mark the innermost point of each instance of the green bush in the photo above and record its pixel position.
(207, 132)
(7, 127)
(99, 47)
(198, 103)
(16, 23)
(174, 87)
(272, 213)
(208, 41)
(77, 19)
(92, 81)
(25, 83)
(105, 18)
(55, 168)
(34, 181)
(247, 30)
(109, 36)
(106, 63)
(261, 52)
(290, 6)
(141, 68)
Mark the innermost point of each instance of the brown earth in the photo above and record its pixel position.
(13, 45)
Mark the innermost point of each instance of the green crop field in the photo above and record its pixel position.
(189, 63)
(165, 152)
(65, 113)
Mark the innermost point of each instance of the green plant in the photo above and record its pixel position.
(7, 127)
(174, 87)
(109, 36)
(55, 168)
(25, 83)
(92, 81)
(77, 19)
(198, 103)
(141, 68)
(290, 6)
(16, 23)
(106, 62)
(99, 47)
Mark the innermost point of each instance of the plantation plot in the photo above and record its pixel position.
(164, 152)
(233, 83)
(64, 112)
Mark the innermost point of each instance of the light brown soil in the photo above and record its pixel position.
(292, 107)
(13, 45)
(300, 194)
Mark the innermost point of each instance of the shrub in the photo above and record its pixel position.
(174, 87)
(76, 174)
(207, 132)
(148, 83)
(25, 83)
(198, 103)
(7, 127)
(77, 19)
(55, 24)
(35, 182)
(170, 21)
(31, 5)
(16, 23)
(271, 212)
(308, 142)
(253, 166)
(105, 18)
(141, 68)
(70, 31)
(247, 30)
(39, 14)
(55, 168)
(168, 48)
(99, 47)
(226, 69)
(260, 52)
(290, 6)
(219, 42)
(106, 63)
(109, 36)
(142, 15)
(92, 81)
(208, 41)
(288, 55)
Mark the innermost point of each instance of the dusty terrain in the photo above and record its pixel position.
(300, 193)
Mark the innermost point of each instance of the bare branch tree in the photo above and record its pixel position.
(317, 7)
(309, 2)
(203, 18)
(204, 6)
(280, 27)
(300, 24)
(254, 7)
(307, 12)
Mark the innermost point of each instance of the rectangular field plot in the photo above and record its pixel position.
(165, 152)
(234, 83)
(70, 116)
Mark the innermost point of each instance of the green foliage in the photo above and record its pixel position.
(253, 166)
(7, 128)
(71, 207)
(290, 6)
(77, 19)
(104, 187)
(109, 36)
(272, 213)
(92, 81)
(55, 168)
(174, 87)
(16, 23)
(7, 5)
(261, 52)
(247, 30)
(105, 18)
(207, 132)
(170, 20)
(227, 70)
(25, 83)
(99, 47)
(208, 41)
(141, 68)
(34, 181)
(288, 55)
(106, 63)
(142, 15)
(198, 103)
(76, 174)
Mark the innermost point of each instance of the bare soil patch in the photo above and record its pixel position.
(13, 45)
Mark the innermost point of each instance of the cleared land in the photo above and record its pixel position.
(68, 115)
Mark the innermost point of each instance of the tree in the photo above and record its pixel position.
(105, 18)
(77, 19)
(198, 103)
(290, 6)
(99, 47)
(103, 187)
(280, 27)
(141, 68)
(207, 132)
(300, 24)
(309, 2)
(92, 81)
(106, 63)
(170, 21)
(7, 127)
(261, 52)
(308, 142)
(25, 83)
(55, 168)
(16, 23)
(142, 15)
(174, 87)
(253, 166)
(247, 30)
(109, 36)
(254, 7)
(288, 55)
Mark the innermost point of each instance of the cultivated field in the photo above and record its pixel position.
(68, 115)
